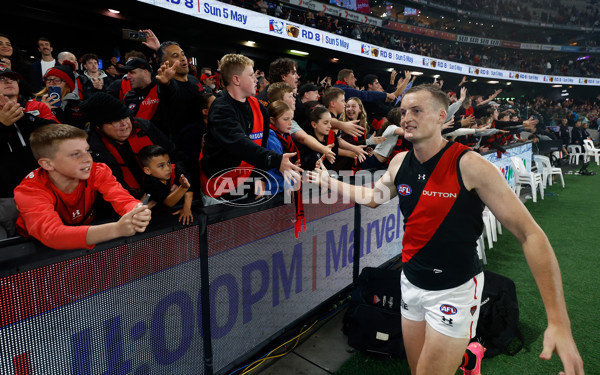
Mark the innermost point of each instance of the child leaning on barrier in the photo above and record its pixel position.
(160, 184)
(280, 141)
(56, 201)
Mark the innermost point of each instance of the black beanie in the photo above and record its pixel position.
(102, 108)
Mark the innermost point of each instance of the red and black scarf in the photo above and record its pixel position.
(289, 147)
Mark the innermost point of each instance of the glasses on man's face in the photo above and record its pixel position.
(119, 123)
(7, 79)
(54, 81)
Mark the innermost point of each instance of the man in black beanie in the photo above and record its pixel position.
(116, 137)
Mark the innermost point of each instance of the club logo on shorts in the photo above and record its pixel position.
(448, 309)
(403, 304)
(404, 190)
(473, 309)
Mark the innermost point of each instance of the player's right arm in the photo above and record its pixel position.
(382, 191)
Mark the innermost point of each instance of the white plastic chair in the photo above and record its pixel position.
(590, 150)
(575, 153)
(481, 249)
(523, 177)
(489, 225)
(545, 167)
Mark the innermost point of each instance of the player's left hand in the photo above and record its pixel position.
(560, 340)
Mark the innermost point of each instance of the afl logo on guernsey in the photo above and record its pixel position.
(448, 309)
(404, 190)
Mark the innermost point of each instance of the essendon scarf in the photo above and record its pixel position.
(290, 147)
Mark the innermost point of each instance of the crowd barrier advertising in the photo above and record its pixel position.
(263, 278)
(136, 308)
(131, 309)
(524, 151)
(245, 19)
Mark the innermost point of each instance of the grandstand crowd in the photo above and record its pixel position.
(472, 54)
(548, 11)
(163, 128)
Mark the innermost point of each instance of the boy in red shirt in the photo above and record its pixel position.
(55, 201)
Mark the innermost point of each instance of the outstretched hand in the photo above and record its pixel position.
(352, 128)
(319, 175)
(560, 341)
(330, 155)
(166, 72)
(290, 171)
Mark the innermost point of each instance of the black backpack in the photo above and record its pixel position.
(373, 322)
(498, 325)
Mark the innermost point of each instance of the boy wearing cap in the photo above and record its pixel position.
(55, 201)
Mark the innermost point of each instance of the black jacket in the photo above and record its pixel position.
(101, 154)
(15, 153)
(227, 142)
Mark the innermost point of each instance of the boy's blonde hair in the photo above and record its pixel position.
(233, 64)
(330, 95)
(277, 90)
(46, 140)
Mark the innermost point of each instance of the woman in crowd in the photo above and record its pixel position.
(63, 102)
(355, 110)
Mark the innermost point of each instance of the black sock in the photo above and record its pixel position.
(469, 360)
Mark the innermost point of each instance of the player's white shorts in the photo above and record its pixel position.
(452, 312)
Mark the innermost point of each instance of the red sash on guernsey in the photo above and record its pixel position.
(136, 142)
(80, 89)
(288, 147)
(421, 225)
(149, 105)
(376, 124)
(215, 186)
(125, 88)
(356, 167)
(469, 111)
(172, 175)
(331, 138)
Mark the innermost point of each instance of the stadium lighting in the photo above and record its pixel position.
(436, 76)
(297, 52)
(251, 42)
(556, 85)
(508, 83)
(114, 11)
(492, 82)
(416, 73)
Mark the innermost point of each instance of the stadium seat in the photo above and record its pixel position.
(575, 153)
(545, 167)
(590, 150)
(523, 177)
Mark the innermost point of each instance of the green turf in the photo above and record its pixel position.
(571, 219)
